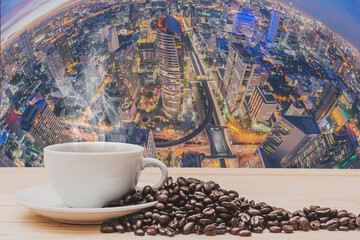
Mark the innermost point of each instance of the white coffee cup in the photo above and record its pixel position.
(91, 174)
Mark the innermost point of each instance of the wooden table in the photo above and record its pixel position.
(291, 189)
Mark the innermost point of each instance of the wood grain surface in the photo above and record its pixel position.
(291, 189)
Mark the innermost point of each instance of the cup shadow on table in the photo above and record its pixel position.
(35, 221)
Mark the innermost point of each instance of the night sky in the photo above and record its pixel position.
(343, 16)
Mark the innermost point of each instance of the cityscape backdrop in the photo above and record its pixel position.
(198, 83)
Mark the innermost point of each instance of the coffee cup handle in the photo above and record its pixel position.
(164, 171)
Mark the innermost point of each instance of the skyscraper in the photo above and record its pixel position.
(273, 26)
(145, 30)
(243, 24)
(124, 62)
(113, 40)
(54, 65)
(26, 44)
(289, 137)
(62, 46)
(262, 103)
(171, 62)
(42, 124)
(327, 100)
(331, 150)
(239, 72)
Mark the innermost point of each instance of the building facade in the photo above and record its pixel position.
(63, 47)
(26, 45)
(170, 49)
(239, 73)
(243, 24)
(289, 138)
(41, 123)
(262, 104)
(273, 26)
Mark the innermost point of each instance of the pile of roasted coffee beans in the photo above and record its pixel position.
(193, 206)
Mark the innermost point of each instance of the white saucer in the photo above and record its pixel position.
(44, 201)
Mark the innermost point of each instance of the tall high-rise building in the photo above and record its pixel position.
(145, 30)
(171, 61)
(289, 137)
(127, 79)
(42, 124)
(262, 103)
(92, 75)
(62, 46)
(103, 32)
(331, 150)
(327, 100)
(54, 65)
(273, 26)
(113, 40)
(243, 24)
(26, 44)
(239, 73)
(211, 43)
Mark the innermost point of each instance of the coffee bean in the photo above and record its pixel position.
(139, 232)
(194, 206)
(234, 222)
(234, 231)
(352, 224)
(244, 217)
(107, 228)
(275, 229)
(288, 228)
(332, 224)
(272, 223)
(163, 198)
(324, 219)
(164, 219)
(187, 229)
(304, 224)
(344, 221)
(209, 212)
(168, 182)
(118, 226)
(221, 209)
(229, 205)
(169, 232)
(322, 225)
(207, 201)
(294, 221)
(210, 230)
(224, 198)
(242, 225)
(344, 228)
(151, 231)
(342, 213)
(315, 225)
(160, 206)
(322, 211)
(245, 233)
(204, 222)
(181, 181)
(358, 221)
(199, 196)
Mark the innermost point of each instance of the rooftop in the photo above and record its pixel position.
(307, 125)
(241, 50)
(266, 94)
(169, 24)
(30, 114)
